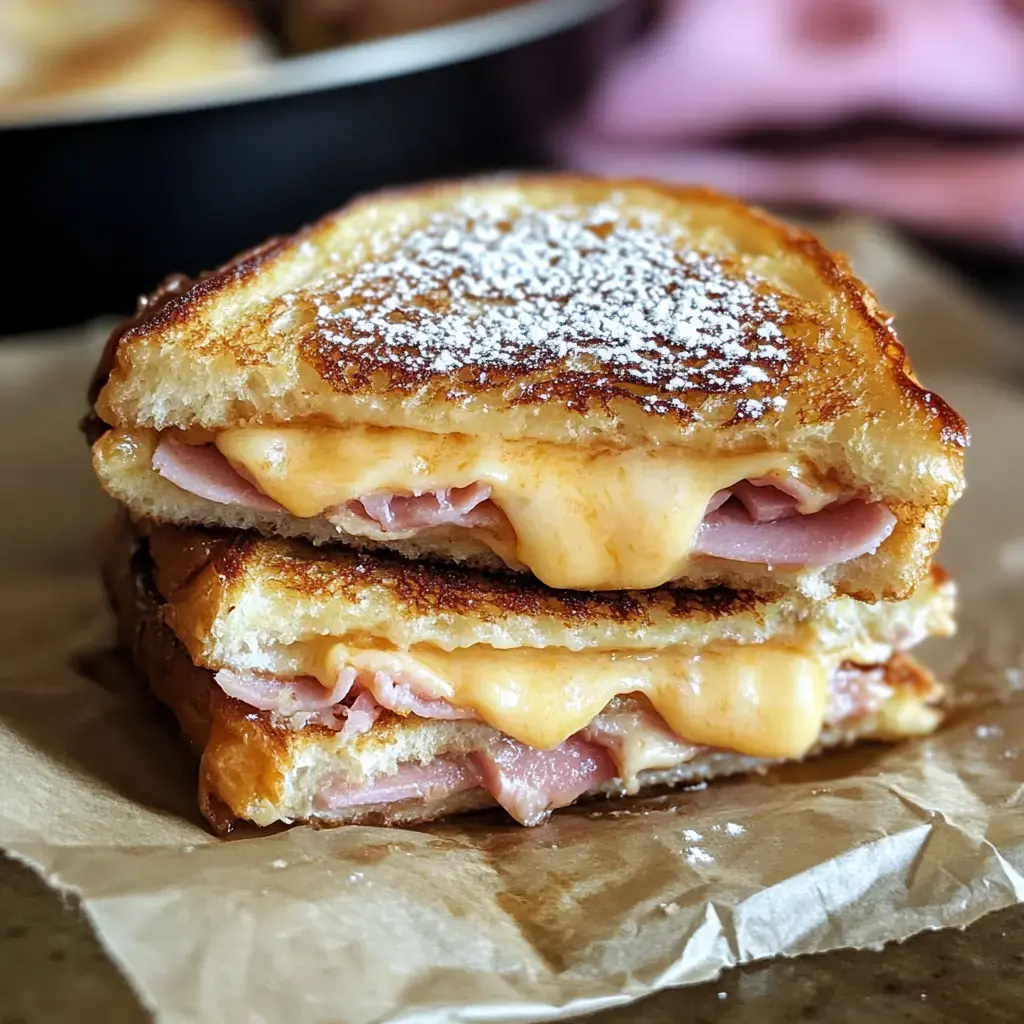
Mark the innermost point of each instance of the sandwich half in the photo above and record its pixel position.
(611, 385)
(331, 686)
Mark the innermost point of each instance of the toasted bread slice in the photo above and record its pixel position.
(236, 599)
(408, 769)
(568, 375)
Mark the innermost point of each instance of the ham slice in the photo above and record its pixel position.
(528, 783)
(284, 697)
(752, 521)
(531, 783)
(398, 693)
(204, 471)
(441, 777)
(356, 700)
(718, 499)
(304, 701)
(626, 738)
(833, 535)
(458, 506)
(764, 503)
(812, 497)
(352, 705)
(856, 691)
(362, 713)
(637, 738)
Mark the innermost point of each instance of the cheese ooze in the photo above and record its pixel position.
(581, 518)
(764, 701)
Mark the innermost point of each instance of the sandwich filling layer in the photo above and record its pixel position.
(575, 517)
(762, 700)
(565, 722)
(623, 747)
(625, 742)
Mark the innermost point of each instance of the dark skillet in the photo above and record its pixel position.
(97, 206)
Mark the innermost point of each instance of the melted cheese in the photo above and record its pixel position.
(638, 741)
(580, 518)
(763, 701)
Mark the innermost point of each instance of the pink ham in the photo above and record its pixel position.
(718, 499)
(637, 737)
(304, 700)
(855, 691)
(833, 535)
(752, 521)
(355, 703)
(203, 470)
(453, 506)
(284, 696)
(803, 493)
(530, 783)
(764, 503)
(332, 707)
(399, 694)
(441, 777)
(362, 713)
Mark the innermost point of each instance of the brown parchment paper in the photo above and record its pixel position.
(480, 920)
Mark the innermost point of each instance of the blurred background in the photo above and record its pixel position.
(139, 137)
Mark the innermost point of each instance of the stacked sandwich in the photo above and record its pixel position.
(518, 490)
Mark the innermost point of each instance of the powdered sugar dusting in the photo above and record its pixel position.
(610, 300)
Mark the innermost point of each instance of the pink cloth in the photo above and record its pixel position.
(713, 68)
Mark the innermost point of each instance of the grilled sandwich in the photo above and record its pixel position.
(611, 385)
(334, 686)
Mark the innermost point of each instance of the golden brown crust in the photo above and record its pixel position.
(227, 594)
(417, 588)
(531, 370)
(273, 337)
(235, 748)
